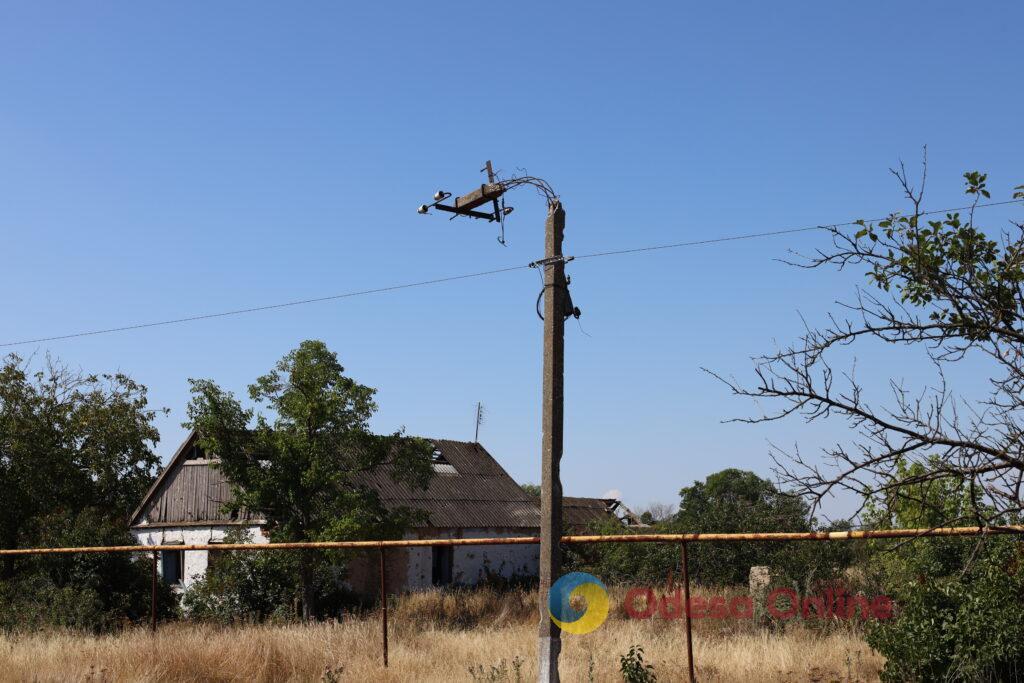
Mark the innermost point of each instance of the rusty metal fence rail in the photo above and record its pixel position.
(381, 546)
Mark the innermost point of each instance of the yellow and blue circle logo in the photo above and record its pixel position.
(578, 585)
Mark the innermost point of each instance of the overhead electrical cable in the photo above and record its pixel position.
(788, 231)
(453, 278)
(268, 307)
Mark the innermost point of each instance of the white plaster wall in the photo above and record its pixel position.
(195, 560)
(472, 564)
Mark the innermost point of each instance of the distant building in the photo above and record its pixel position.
(469, 496)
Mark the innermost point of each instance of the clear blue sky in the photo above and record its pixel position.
(165, 159)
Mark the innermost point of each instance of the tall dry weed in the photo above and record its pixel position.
(434, 637)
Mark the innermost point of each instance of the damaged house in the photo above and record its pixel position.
(469, 496)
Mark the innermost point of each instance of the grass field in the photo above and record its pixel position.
(435, 637)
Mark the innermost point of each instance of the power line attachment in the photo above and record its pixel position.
(570, 310)
(491, 193)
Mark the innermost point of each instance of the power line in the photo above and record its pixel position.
(787, 231)
(269, 307)
(453, 278)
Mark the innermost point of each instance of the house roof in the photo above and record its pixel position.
(468, 490)
(479, 493)
(189, 492)
(579, 513)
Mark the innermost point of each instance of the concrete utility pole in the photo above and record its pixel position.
(555, 289)
(557, 308)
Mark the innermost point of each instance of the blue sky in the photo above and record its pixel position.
(163, 160)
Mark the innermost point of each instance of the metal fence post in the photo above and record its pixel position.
(152, 597)
(384, 606)
(685, 567)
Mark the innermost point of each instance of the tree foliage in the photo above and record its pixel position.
(729, 501)
(531, 489)
(951, 290)
(957, 599)
(303, 464)
(737, 501)
(248, 587)
(76, 456)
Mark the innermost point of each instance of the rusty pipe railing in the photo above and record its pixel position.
(528, 540)
(682, 539)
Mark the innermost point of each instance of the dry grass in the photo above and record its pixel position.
(434, 638)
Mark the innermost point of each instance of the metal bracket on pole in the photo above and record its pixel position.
(544, 262)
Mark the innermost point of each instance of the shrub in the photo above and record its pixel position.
(244, 586)
(962, 626)
(634, 669)
(500, 672)
(957, 599)
(86, 591)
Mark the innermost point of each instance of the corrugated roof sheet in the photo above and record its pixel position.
(579, 513)
(480, 495)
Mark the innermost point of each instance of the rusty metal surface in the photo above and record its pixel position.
(152, 597)
(384, 605)
(530, 540)
(684, 566)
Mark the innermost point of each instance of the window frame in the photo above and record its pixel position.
(165, 555)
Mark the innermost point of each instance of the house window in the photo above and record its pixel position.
(173, 565)
(443, 560)
(215, 557)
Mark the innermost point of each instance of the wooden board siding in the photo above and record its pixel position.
(194, 492)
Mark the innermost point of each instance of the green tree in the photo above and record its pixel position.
(734, 501)
(957, 599)
(304, 465)
(76, 456)
(730, 501)
(737, 501)
(941, 286)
